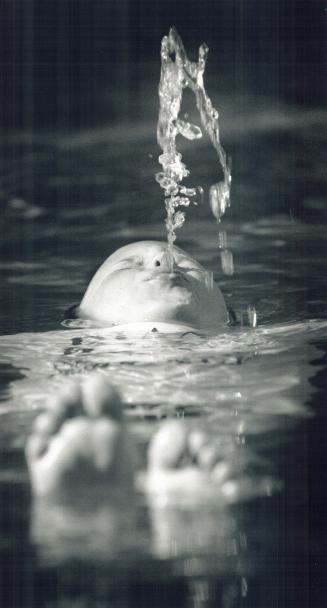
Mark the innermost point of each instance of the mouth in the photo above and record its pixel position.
(175, 279)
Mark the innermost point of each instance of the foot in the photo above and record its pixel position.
(185, 467)
(185, 488)
(79, 448)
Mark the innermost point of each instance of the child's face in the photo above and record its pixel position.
(136, 284)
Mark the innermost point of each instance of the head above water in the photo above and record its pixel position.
(142, 282)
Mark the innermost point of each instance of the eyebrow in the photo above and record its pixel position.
(191, 267)
(127, 260)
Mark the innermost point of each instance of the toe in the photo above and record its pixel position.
(100, 398)
(208, 456)
(62, 406)
(35, 448)
(221, 472)
(43, 424)
(169, 447)
(196, 441)
(66, 404)
(107, 438)
(204, 452)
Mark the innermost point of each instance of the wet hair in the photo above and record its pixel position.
(71, 312)
(232, 316)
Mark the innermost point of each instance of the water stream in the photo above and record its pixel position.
(178, 73)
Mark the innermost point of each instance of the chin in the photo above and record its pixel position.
(170, 315)
(173, 304)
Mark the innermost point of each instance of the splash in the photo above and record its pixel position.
(178, 73)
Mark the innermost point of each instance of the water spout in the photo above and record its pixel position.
(178, 73)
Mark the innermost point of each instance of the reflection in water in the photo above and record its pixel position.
(249, 389)
(161, 545)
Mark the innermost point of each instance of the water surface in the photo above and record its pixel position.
(258, 392)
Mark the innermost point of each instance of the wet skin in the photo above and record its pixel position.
(141, 283)
(80, 447)
(88, 484)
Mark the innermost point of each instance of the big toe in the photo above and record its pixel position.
(169, 447)
(205, 452)
(64, 405)
(100, 398)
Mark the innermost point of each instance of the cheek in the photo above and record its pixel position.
(130, 294)
(128, 291)
(117, 291)
(198, 290)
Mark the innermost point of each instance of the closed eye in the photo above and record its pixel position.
(127, 263)
(188, 266)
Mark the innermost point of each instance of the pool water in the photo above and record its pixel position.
(259, 392)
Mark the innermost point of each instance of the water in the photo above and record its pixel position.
(256, 391)
(178, 73)
(258, 388)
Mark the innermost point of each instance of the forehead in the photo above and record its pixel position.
(141, 248)
(148, 249)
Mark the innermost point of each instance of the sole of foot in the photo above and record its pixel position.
(79, 447)
(185, 467)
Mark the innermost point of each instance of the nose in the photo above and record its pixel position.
(164, 262)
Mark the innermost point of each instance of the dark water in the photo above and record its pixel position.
(71, 193)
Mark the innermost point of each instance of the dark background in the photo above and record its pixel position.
(52, 51)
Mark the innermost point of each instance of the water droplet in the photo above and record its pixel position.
(222, 239)
(188, 130)
(219, 199)
(203, 51)
(227, 263)
(177, 201)
(188, 191)
(179, 219)
(241, 427)
(244, 587)
(201, 193)
(252, 316)
(209, 280)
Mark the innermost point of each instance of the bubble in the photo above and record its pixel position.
(188, 130)
(164, 181)
(179, 219)
(178, 201)
(187, 191)
(222, 239)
